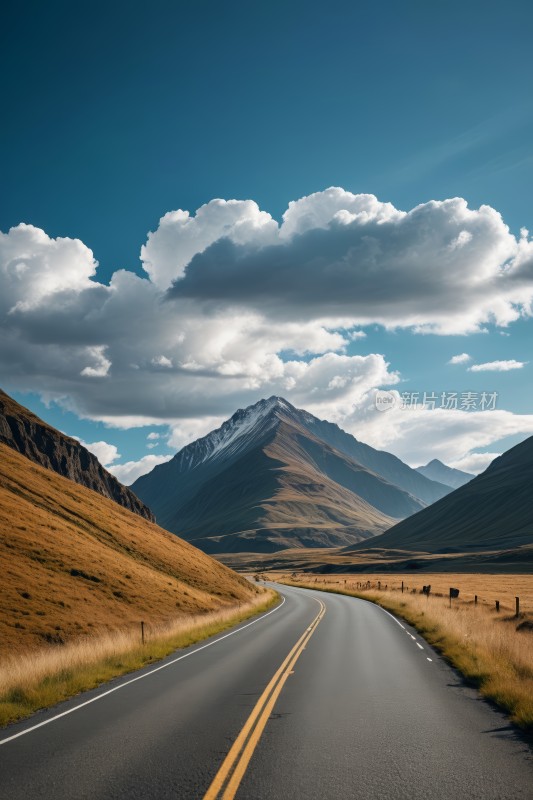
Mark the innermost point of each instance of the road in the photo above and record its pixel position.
(325, 697)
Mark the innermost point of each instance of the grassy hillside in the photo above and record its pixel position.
(73, 562)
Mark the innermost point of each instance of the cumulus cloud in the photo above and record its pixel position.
(34, 267)
(441, 267)
(475, 462)
(417, 435)
(497, 366)
(188, 430)
(104, 452)
(462, 358)
(153, 435)
(101, 364)
(180, 236)
(129, 472)
(235, 306)
(162, 361)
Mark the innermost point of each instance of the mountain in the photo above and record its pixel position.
(437, 471)
(382, 463)
(74, 562)
(494, 511)
(274, 477)
(38, 441)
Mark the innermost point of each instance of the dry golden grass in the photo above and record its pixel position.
(488, 588)
(484, 646)
(44, 677)
(73, 562)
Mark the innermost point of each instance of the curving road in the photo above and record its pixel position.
(324, 697)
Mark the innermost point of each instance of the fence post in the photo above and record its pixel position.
(517, 600)
(402, 587)
(497, 605)
(142, 632)
(475, 599)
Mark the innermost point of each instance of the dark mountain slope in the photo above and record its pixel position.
(382, 463)
(494, 511)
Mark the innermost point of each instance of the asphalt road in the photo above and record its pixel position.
(299, 704)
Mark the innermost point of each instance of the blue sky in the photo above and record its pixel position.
(120, 113)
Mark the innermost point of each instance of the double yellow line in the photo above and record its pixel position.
(227, 780)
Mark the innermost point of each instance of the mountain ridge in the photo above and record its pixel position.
(437, 471)
(25, 432)
(269, 469)
(492, 511)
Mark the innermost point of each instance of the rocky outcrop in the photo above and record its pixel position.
(33, 438)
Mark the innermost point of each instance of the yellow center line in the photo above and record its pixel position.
(234, 765)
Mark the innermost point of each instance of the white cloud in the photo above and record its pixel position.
(462, 358)
(188, 430)
(153, 435)
(129, 472)
(497, 366)
(258, 308)
(105, 453)
(180, 236)
(101, 365)
(475, 462)
(441, 267)
(418, 435)
(34, 267)
(320, 209)
(162, 361)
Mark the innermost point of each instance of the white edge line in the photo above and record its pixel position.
(390, 615)
(139, 677)
(381, 609)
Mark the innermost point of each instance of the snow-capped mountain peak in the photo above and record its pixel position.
(233, 436)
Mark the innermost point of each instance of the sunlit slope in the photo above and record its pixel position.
(75, 562)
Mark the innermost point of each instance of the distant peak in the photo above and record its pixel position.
(273, 403)
(277, 401)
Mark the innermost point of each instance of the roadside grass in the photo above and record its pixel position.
(74, 563)
(484, 646)
(42, 678)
